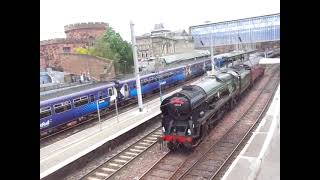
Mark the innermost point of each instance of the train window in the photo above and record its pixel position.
(110, 91)
(80, 101)
(45, 112)
(100, 95)
(91, 98)
(62, 107)
(126, 87)
(164, 76)
(153, 79)
(143, 82)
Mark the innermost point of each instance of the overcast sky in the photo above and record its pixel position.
(174, 14)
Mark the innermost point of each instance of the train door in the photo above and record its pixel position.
(125, 90)
(112, 93)
(187, 71)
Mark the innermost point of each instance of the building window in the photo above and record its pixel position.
(66, 49)
(91, 40)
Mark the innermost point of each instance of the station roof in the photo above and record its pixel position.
(67, 91)
(174, 58)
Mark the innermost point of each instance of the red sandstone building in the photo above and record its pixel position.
(60, 53)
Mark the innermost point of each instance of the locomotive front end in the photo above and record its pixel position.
(178, 117)
(175, 114)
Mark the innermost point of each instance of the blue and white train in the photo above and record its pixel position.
(73, 107)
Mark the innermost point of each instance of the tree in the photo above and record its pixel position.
(102, 48)
(121, 49)
(113, 47)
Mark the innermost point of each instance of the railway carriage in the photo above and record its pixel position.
(127, 89)
(66, 110)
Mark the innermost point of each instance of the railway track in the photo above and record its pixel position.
(123, 158)
(207, 162)
(106, 114)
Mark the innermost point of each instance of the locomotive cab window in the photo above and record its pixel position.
(80, 101)
(45, 112)
(62, 107)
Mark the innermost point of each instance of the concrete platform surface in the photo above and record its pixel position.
(260, 158)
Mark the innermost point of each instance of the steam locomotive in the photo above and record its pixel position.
(188, 115)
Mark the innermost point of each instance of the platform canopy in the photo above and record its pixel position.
(169, 59)
(249, 30)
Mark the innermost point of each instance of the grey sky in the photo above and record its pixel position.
(175, 14)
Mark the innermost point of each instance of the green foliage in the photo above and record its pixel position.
(112, 46)
(81, 50)
(102, 49)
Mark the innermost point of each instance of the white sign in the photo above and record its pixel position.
(45, 124)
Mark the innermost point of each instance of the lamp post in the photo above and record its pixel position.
(117, 109)
(135, 59)
(98, 110)
(211, 48)
(160, 83)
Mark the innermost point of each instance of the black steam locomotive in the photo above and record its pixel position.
(188, 115)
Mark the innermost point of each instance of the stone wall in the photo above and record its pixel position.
(50, 52)
(78, 64)
(85, 30)
(85, 33)
(43, 64)
(183, 46)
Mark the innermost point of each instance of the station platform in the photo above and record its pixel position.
(59, 154)
(270, 61)
(260, 158)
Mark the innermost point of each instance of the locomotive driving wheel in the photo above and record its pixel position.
(232, 103)
(205, 130)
